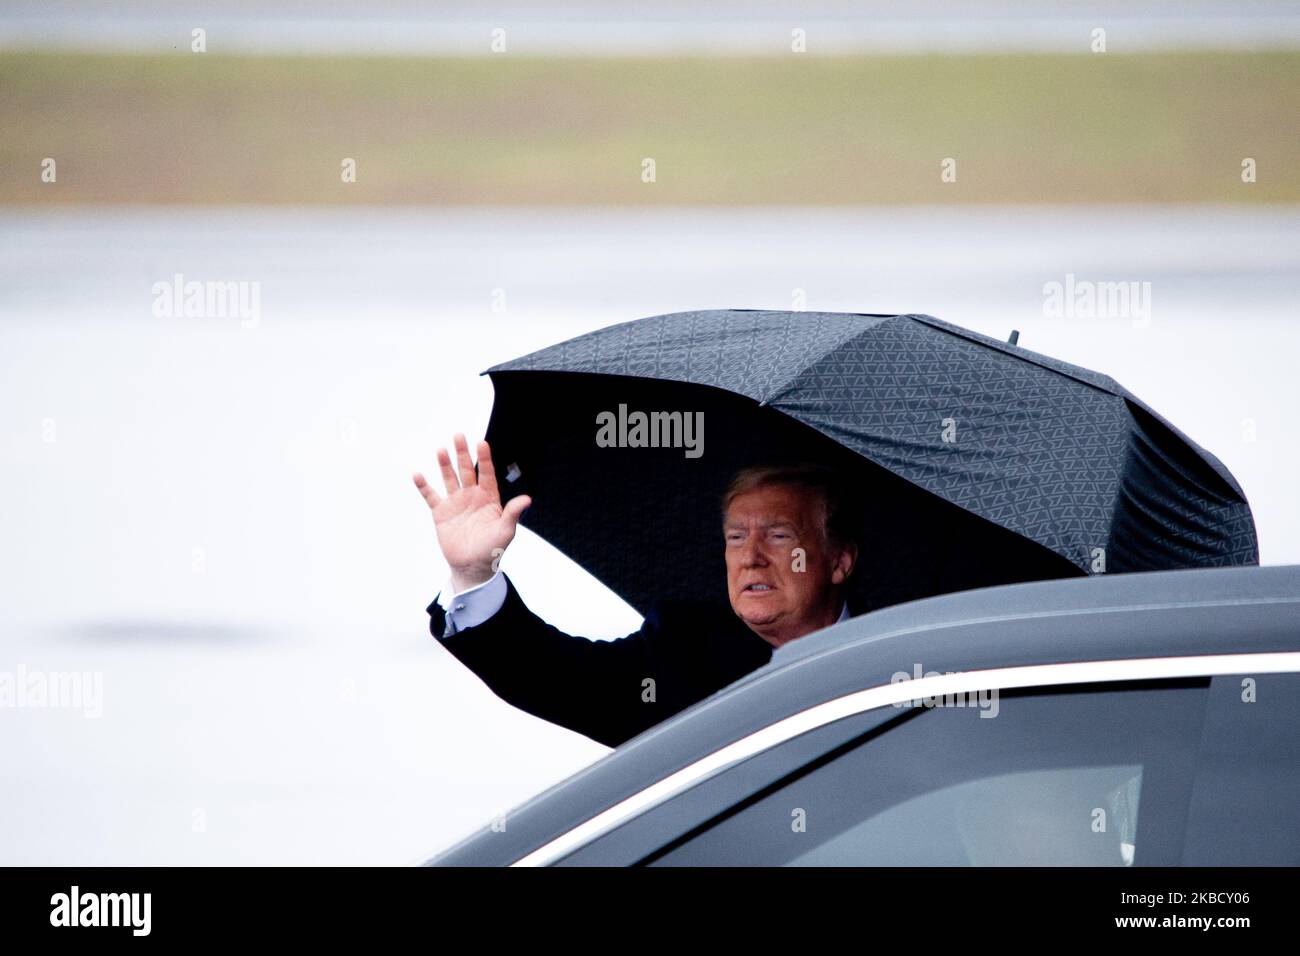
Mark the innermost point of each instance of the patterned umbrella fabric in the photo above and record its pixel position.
(975, 462)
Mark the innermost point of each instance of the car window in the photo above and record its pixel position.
(1032, 818)
(1245, 808)
(646, 832)
(1096, 775)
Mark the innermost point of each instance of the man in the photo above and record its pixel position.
(789, 550)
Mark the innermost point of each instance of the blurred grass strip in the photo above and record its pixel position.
(206, 128)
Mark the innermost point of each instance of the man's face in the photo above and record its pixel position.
(762, 529)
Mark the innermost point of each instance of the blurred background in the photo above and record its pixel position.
(209, 508)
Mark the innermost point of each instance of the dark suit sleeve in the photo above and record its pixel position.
(592, 687)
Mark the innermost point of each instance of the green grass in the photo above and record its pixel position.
(815, 130)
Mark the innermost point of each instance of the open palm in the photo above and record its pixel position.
(473, 529)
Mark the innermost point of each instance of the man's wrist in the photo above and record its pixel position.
(463, 580)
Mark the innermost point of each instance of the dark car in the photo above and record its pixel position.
(1145, 719)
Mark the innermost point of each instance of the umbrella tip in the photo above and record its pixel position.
(1015, 337)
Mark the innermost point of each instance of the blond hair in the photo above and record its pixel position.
(839, 519)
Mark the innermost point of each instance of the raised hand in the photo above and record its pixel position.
(473, 529)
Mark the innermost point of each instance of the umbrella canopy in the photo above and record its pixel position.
(975, 462)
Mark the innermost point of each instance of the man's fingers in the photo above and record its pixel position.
(449, 479)
(463, 460)
(514, 508)
(487, 472)
(426, 490)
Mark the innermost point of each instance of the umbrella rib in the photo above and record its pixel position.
(777, 390)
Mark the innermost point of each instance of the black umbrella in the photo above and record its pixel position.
(977, 462)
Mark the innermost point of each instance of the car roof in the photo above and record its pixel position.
(1104, 617)
(1200, 588)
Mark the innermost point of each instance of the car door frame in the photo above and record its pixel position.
(579, 846)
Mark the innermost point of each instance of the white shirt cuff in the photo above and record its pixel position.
(472, 606)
